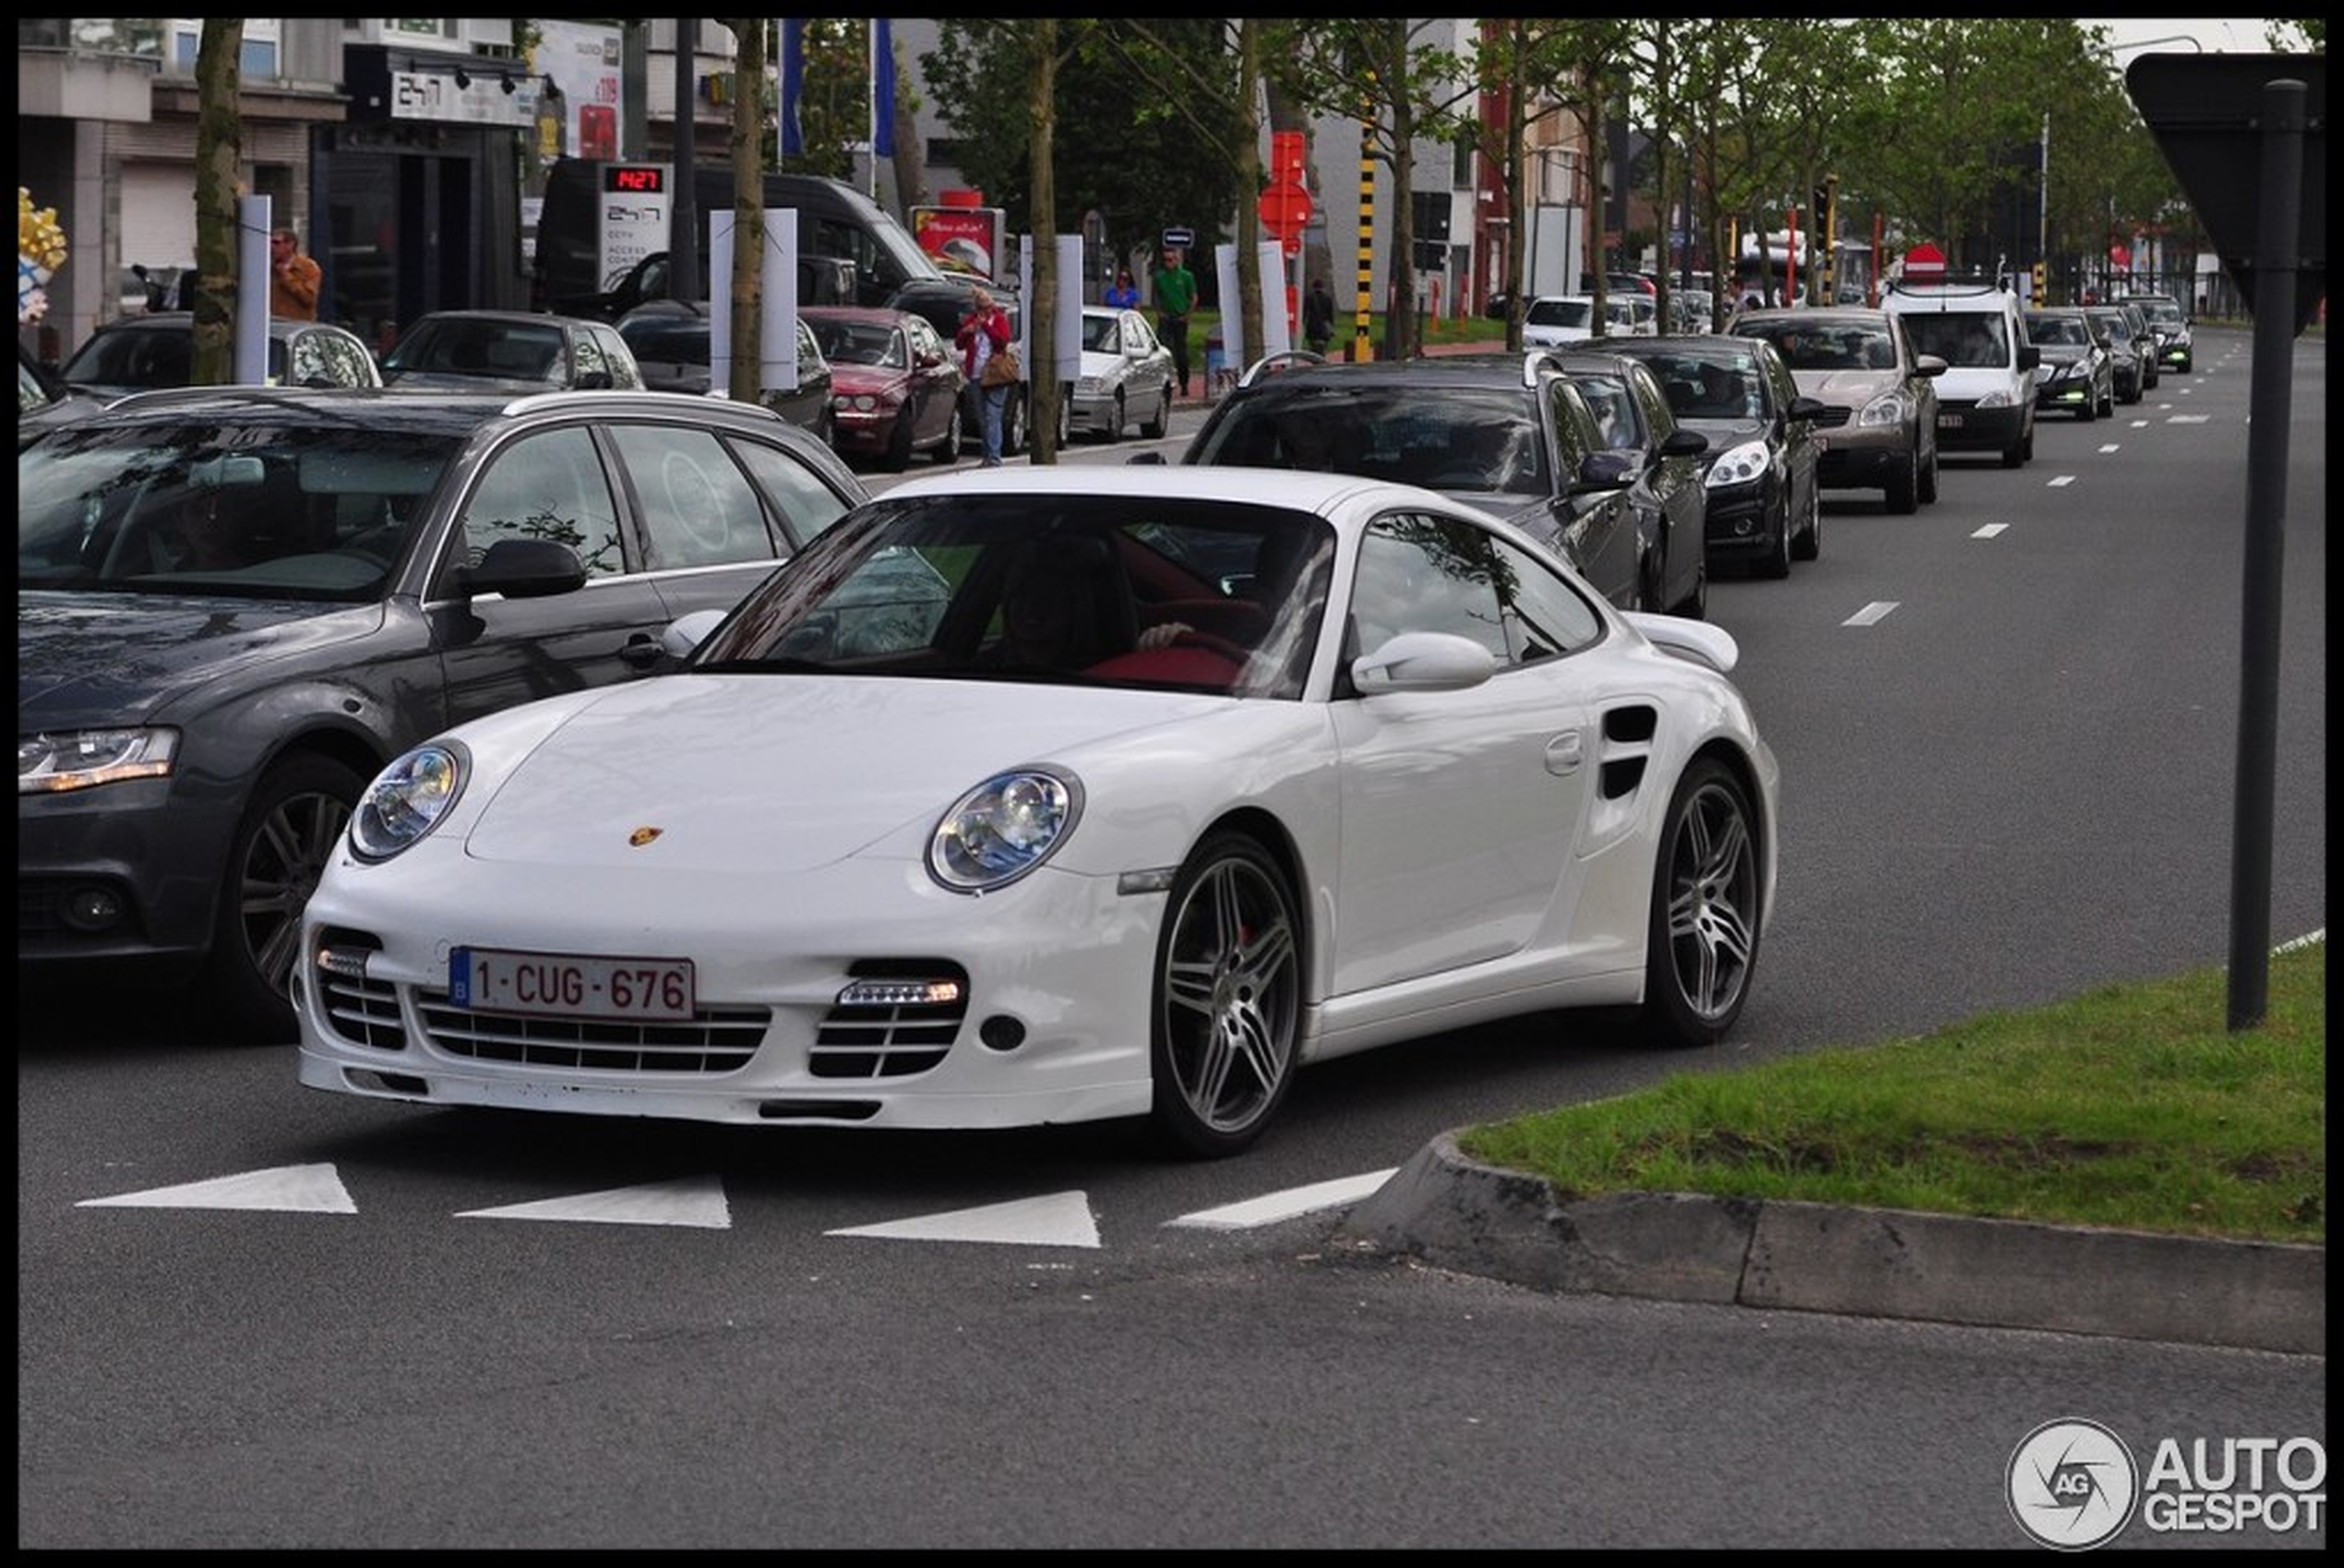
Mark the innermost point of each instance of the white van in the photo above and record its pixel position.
(1986, 398)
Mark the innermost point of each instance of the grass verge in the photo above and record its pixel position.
(2132, 1107)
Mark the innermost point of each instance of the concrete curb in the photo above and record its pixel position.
(1455, 1212)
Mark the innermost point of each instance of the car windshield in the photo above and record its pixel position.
(1560, 312)
(1827, 347)
(499, 350)
(681, 338)
(861, 342)
(141, 357)
(238, 509)
(1960, 337)
(2164, 311)
(1457, 438)
(1106, 591)
(2063, 329)
(1706, 386)
(1103, 334)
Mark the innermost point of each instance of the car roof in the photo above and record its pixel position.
(1300, 489)
(530, 318)
(1695, 346)
(434, 412)
(1824, 315)
(874, 314)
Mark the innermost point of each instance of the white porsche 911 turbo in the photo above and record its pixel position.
(1041, 795)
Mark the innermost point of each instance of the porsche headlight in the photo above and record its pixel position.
(1739, 465)
(1003, 828)
(50, 764)
(408, 799)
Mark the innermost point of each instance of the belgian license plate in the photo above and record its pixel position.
(568, 986)
(1948, 421)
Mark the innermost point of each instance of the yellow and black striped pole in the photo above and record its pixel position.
(1362, 347)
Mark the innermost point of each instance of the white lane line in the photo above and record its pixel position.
(2063, 480)
(1990, 530)
(2189, 419)
(2112, 446)
(697, 1201)
(1060, 1219)
(310, 1189)
(1272, 1207)
(1873, 613)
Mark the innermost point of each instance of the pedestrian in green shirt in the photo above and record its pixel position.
(1174, 297)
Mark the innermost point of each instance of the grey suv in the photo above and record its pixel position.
(236, 605)
(1878, 425)
(1510, 434)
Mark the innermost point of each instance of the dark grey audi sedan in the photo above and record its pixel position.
(234, 604)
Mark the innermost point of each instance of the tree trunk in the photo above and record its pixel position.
(1042, 388)
(219, 166)
(746, 299)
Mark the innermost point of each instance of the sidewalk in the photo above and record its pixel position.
(1457, 1214)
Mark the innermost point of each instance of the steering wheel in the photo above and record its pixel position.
(1211, 642)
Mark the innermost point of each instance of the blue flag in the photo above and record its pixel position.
(792, 85)
(882, 88)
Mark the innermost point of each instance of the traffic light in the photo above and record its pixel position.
(1822, 211)
(2040, 296)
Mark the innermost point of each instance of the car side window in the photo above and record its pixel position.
(1659, 418)
(1423, 573)
(619, 357)
(549, 485)
(1575, 432)
(697, 508)
(806, 503)
(590, 359)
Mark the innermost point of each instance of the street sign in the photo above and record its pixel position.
(1284, 210)
(1924, 264)
(2207, 113)
(1179, 239)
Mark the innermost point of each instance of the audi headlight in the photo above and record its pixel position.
(1889, 408)
(51, 764)
(1003, 829)
(408, 799)
(1739, 465)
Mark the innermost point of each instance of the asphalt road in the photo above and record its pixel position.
(250, 1315)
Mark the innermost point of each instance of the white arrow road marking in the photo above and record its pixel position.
(1873, 614)
(696, 1201)
(1272, 1207)
(312, 1189)
(1060, 1219)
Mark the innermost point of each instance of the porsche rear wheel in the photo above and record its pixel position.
(1228, 1006)
(1702, 944)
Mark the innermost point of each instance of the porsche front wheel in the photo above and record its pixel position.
(1702, 944)
(1228, 999)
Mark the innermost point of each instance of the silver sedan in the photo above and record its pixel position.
(1127, 374)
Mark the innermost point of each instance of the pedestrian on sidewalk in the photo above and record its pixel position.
(1174, 297)
(1318, 317)
(984, 332)
(292, 279)
(1123, 294)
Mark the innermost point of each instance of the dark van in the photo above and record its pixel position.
(836, 224)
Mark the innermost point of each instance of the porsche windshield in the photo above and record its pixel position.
(1091, 590)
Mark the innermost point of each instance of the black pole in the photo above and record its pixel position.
(683, 243)
(2276, 261)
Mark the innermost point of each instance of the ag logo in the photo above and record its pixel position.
(2072, 1485)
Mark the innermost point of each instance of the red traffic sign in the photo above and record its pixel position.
(1924, 264)
(1284, 209)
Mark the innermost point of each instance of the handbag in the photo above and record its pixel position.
(1001, 370)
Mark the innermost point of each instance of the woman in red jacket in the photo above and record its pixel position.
(984, 332)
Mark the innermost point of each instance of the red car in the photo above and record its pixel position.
(895, 384)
